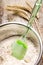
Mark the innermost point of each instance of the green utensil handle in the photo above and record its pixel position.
(33, 15)
(35, 11)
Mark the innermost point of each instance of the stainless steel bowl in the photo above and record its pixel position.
(12, 29)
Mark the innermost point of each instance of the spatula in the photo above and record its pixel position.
(19, 47)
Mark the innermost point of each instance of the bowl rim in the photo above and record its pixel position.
(25, 25)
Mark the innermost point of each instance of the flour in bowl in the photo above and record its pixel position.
(5, 52)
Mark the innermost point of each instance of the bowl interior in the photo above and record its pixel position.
(16, 29)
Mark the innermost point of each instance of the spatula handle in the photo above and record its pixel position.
(35, 11)
(33, 15)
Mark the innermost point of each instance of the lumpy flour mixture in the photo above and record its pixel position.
(7, 59)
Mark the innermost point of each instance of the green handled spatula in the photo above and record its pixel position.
(19, 47)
